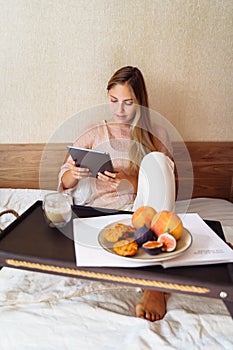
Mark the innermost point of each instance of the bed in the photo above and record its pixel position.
(44, 311)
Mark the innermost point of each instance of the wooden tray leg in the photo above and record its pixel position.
(229, 305)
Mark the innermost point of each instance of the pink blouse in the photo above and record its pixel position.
(94, 192)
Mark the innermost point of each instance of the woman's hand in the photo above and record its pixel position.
(118, 178)
(78, 172)
(71, 177)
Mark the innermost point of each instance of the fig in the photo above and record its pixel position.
(152, 247)
(143, 234)
(169, 242)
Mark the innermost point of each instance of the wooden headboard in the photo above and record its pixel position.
(36, 166)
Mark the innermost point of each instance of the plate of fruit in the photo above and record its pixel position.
(147, 235)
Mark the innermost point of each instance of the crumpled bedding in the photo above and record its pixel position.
(48, 312)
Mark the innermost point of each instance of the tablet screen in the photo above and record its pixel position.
(96, 161)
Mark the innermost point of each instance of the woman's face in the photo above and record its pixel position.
(122, 103)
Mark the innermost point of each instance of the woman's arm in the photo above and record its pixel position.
(71, 177)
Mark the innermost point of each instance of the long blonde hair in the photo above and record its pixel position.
(143, 140)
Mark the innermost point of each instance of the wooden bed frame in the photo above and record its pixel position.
(37, 165)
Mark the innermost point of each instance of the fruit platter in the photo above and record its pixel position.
(147, 235)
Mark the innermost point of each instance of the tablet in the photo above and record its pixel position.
(94, 160)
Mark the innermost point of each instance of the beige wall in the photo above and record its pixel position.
(57, 55)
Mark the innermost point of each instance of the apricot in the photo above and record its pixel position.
(167, 221)
(143, 216)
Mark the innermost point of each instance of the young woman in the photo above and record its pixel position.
(143, 168)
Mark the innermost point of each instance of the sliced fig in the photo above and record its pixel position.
(152, 247)
(143, 234)
(169, 242)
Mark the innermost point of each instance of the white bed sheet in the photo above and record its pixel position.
(46, 312)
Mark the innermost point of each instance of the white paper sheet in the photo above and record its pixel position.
(206, 248)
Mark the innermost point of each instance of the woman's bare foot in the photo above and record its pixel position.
(152, 305)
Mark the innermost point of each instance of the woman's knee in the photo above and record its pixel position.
(157, 159)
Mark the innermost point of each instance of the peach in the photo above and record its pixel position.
(143, 216)
(167, 221)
